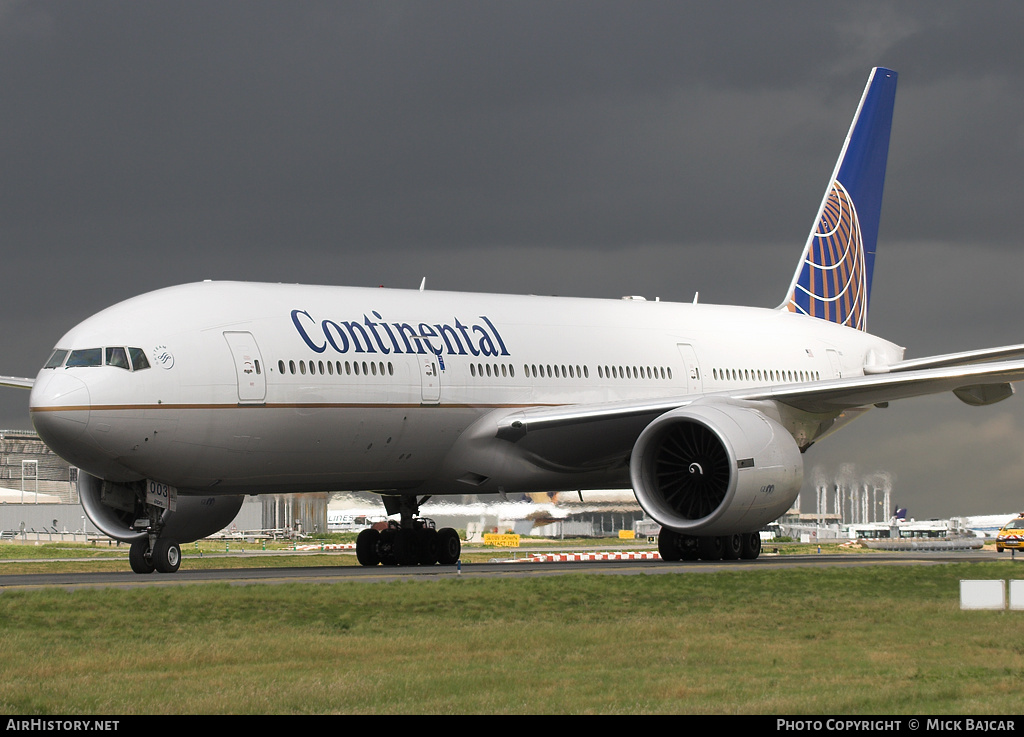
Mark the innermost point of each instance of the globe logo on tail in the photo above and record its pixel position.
(833, 280)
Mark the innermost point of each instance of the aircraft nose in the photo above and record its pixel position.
(59, 405)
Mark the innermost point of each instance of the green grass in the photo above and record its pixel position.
(877, 639)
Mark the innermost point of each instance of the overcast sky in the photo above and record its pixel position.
(577, 148)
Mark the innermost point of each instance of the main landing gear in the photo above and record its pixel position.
(413, 541)
(674, 545)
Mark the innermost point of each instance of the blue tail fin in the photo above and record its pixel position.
(833, 278)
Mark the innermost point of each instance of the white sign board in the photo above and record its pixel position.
(1016, 594)
(982, 594)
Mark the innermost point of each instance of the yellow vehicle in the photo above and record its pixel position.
(1011, 535)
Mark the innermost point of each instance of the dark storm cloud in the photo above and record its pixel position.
(392, 125)
(378, 124)
(587, 148)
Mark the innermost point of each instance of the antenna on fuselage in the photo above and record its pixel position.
(423, 284)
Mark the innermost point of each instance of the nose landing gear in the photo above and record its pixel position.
(155, 552)
(160, 555)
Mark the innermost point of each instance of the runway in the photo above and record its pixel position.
(381, 574)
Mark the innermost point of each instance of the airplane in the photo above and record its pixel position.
(177, 403)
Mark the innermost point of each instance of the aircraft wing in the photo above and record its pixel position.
(603, 434)
(1005, 352)
(973, 383)
(16, 381)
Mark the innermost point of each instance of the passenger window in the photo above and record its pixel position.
(139, 360)
(117, 357)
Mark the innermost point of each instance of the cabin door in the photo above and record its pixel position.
(834, 361)
(691, 367)
(430, 379)
(249, 368)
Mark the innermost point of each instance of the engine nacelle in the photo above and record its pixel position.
(114, 509)
(713, 468)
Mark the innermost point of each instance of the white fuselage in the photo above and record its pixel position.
(255, 388)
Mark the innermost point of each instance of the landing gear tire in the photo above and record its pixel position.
(689, 547)
(427, 546)
(138, 559)
(709, 547)
(668, 545)
(751, 545)
(366, 547)
(449, 547)
(166, 556)
(732, 547)
(386, 543)
(405, 547)
(673, 546)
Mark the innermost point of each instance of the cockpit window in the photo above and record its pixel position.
(110, 356)
(139, 360)
(86, 357)
(117, 357)
(57, 359)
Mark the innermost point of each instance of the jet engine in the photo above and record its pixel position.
(714, 468)
(114, 508)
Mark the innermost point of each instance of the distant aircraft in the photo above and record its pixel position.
(985, 525)
(349, 520)
(176, 403)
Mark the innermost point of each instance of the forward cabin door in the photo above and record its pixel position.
(249, 368)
